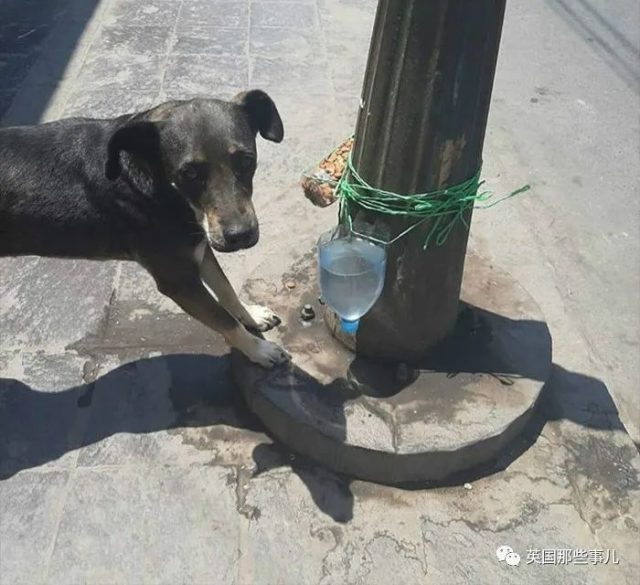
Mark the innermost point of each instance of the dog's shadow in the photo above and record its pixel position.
(183, 391)
(167, 393)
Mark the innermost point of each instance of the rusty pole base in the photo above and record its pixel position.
(457, 411)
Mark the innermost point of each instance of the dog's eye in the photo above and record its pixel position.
(243, 163)
(192, 172)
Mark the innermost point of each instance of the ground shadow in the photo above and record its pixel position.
(566, 396)
(192, 390)
(143, 396)
(482, 343)
(37, 37)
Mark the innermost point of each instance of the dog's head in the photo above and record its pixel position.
(205, 150)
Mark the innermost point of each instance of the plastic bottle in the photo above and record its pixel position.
(352, 271)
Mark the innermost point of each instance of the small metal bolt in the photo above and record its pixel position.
(290, 284)
(307, 313)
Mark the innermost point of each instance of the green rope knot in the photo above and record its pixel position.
(447, 207)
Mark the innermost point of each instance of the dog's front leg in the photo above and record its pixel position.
(184, 286)
(198, 302)
(253, 316)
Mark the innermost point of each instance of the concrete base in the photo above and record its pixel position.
(399, 424)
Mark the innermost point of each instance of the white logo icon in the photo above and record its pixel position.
(503, 551)
(513, 559)
(505, 554)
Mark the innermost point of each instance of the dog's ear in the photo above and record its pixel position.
(262, 113)
(141, 139)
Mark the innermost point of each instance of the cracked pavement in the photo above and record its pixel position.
(125, 454)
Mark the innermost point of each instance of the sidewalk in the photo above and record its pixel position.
(125, 456)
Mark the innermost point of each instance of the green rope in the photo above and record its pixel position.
(446, 206)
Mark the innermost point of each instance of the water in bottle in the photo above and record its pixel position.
(352, 273)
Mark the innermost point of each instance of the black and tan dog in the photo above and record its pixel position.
(164, 187)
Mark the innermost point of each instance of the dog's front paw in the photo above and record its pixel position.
(263, 318)
(266, 353)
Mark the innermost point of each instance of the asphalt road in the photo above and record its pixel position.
(565, 119)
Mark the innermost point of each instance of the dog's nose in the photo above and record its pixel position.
(238, 236)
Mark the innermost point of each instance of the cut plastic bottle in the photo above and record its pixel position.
(352, 271)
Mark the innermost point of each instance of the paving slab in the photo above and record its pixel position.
(229, 14)
(185, 519)
(30, 506)
(202, 73)
(284, 14)
(22, 37)
(96, 103)
(13, 69)
(287, 42)
(42, 307)
(42, 43)
(298, 77)
(134, 39)
(141, 413)
(148, 13)
(110, 71)
(6, 98)
(41, 420)
(210, 40)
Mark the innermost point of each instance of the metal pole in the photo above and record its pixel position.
(425, 104)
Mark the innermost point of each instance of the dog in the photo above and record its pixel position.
(164, 187)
